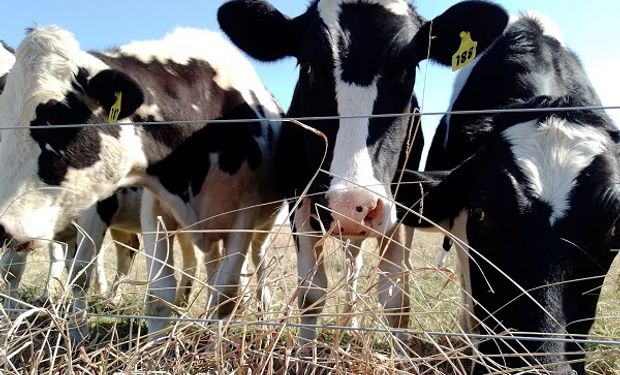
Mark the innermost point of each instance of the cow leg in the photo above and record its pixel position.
(90, 235)
(393, 281)
(12, 265)
(127, 245)
(100, 281)
(260, 244)
(228, 274)
(159, 261)
(211, 259)
(354, 263)
(443, 254)
(188, 274)
(53, 287)
(79, 268)
(311, 273)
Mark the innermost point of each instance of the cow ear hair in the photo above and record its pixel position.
(103, 87)
(259, 29)
(484, 21)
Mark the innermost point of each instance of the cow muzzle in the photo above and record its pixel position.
(358, 212)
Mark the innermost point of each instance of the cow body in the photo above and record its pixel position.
(534, 208)
(188, 75)
(357, 59)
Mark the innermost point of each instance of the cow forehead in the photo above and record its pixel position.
(551, 155)
(46, 64)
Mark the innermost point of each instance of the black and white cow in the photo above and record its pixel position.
(199, 177)
(118, 213)
(534, 208)
(356, 59)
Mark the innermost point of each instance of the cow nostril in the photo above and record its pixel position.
(374, 212)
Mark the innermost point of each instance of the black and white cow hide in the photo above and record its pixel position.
(532, 201)
(197, 176)
(356, 59)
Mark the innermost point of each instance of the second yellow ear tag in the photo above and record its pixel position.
(115, 111)
(466, 53)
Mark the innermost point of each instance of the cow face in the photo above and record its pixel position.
(537, 210)
(51, 174)
(356, 59)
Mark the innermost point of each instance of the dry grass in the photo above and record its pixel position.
(37, 341)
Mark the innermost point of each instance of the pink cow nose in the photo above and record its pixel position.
(355, 211)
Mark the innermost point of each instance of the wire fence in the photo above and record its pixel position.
(321, 118)
(288, 321)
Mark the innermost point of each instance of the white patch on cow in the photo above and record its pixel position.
(46, 62)
(550, 28)
(234, 71)
(146, 110)
(6, 60)
(351, 161)
(351, 164)
(552, 155)
(461, 242)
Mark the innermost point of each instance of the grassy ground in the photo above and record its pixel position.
(116, 344)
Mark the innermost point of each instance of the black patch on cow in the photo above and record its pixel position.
(2, 82)
(371, 36)
(61, 148)
(234, 143)
(170, 92)
(107, 208)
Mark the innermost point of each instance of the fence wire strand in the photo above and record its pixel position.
(318, 118)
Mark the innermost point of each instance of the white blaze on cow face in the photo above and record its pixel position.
(357, 197)
(552, 155)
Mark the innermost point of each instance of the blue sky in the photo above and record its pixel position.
(589, 28)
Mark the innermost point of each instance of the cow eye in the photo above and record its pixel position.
(476, 214)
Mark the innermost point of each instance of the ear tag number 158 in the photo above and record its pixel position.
(466, 53)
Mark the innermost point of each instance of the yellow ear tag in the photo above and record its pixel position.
(466, 53)
(116, 108)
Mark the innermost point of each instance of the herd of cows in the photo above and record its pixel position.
(530, 197)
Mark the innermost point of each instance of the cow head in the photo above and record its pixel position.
(356, 59)
(51, 174)
(537, 210)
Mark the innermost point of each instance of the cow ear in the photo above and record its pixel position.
(259, 29)
(104, 86)
(438, 196)
(483, 20)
